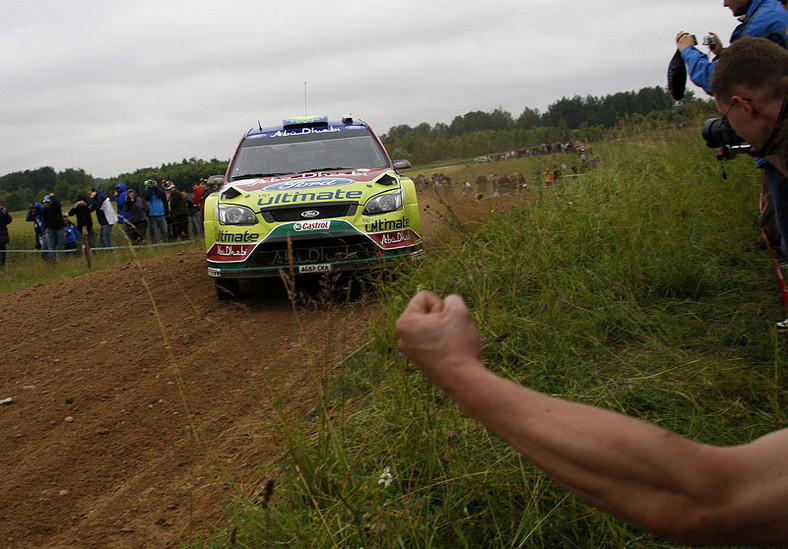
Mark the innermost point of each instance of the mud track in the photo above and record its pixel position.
(140, 402)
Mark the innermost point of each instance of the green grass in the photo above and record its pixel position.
(635, 287)
(25, 267)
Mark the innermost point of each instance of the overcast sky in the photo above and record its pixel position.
(110, 86)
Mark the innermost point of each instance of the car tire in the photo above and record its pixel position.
(228, 288)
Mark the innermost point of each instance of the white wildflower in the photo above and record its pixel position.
(386, 477)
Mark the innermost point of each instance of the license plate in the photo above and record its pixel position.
(305, 269)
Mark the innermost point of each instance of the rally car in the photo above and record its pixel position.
(310, 195)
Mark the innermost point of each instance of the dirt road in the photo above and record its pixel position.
(140, 401)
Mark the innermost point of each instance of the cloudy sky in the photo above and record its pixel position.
(110, 86)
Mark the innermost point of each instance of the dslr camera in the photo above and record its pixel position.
(719, 134)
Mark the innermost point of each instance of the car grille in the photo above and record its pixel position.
(335, 249)
(290, 213)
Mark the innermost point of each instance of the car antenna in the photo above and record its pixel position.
(259, 125)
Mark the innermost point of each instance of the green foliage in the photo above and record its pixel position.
(633, 288)
(183, 174)
(20, 189)
(587, 119)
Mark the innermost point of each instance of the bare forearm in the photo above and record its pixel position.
(630, 468)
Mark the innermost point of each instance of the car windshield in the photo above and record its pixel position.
(347, 149)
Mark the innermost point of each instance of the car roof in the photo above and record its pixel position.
(303, 125)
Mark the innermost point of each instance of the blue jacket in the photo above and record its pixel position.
(155, 197)
(121, 200)
(36, 215)
(765, 19)
(70, 234)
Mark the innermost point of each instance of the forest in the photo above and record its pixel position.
(472, 134)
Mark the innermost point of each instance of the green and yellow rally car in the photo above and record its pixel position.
(309, 196)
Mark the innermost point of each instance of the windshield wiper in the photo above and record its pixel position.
(324, 169)
(253, 175)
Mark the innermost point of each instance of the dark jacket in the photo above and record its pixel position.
(136, 210)
(95, 205)
(82, 212)
(5, 219)
(53, 215)
(178, 206)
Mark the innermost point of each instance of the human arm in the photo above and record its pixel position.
(699, 68)
(632, 469)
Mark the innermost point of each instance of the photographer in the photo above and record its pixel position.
(82, 210)
(750, 86)
(5, 219)
(765, 19)
(156, 198)
(136, 210)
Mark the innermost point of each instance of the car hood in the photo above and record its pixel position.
(316, 180)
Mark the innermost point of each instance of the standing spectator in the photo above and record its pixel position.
(105, 215)
(54, 227)
(36, 215)
(179, 212)
(196, 215)
(136, 217)
(156, 198)
(5, 219)
(70, 234)
(84, 221)
(120, 201)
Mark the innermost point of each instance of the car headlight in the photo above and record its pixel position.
(384, 203)
(230, 214)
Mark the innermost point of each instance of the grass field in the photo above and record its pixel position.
(636, 287)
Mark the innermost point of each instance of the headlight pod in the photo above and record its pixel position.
(231, 214)
(384, 203)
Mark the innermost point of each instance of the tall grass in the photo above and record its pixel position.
(635, 288)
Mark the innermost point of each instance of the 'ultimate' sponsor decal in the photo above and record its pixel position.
(298, 196)
(380, 225)
(245, 237)
(320, 225)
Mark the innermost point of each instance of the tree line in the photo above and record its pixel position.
(578, 118)
(19, 190)
(472, 134)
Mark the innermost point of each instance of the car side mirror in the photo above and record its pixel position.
(402, 164)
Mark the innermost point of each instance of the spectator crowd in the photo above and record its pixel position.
(160, 212)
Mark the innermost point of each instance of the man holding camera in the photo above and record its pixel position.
(750, 87)
(759, 18)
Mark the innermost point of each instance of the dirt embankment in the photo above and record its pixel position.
(140, 402)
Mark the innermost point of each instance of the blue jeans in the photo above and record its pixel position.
(105, 236)
(56, 240)
(778, 185)
(196, 222)
(91, 238)
(158, 226)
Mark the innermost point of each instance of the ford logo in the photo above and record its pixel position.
(309, 214)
